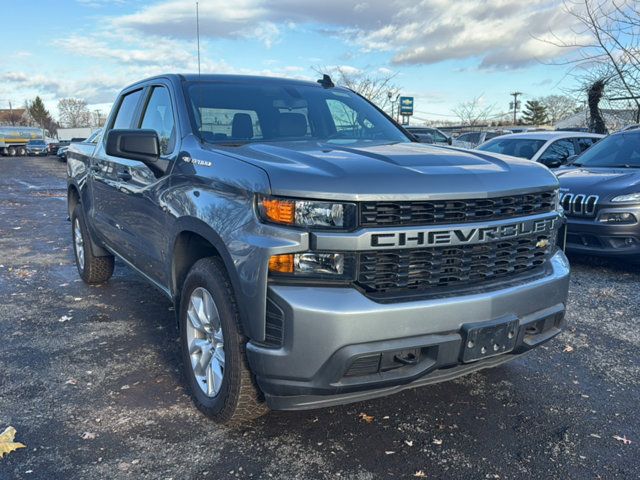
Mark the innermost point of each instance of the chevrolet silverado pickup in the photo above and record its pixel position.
(315, 252)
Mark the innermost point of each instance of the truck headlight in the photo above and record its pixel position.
(334, 266)
(630, 197)
(307, 213)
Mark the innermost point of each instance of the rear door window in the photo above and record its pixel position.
(559, 150)
(127, 109)
(584, 143)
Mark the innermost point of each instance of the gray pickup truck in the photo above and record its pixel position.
(315, 253)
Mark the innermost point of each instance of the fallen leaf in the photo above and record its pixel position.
(7, 445)
(409, 443)
(437, 441)
(71, 381)
(389, 452)
(64, 318)
(623, 439)
(594, 435)
(88, 436)
(125, 387)
(420, 474)
(567, 349)
(366, 418)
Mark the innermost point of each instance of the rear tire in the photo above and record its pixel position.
(11, 151)
(22, 151)
(93, 270)
(213, 347)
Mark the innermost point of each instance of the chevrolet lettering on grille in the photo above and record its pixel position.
(460, 236)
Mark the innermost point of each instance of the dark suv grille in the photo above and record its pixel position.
(382, 214)
(411, 271)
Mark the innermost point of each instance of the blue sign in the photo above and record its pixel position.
(406, 106)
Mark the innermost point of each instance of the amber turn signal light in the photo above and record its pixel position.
(279, 211)
(281, 263)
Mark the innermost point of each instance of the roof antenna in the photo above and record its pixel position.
(326, 81)
(198, 34)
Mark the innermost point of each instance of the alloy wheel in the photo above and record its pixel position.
(205, 341)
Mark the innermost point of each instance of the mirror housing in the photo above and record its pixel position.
(570, 159)
(450, 140)
(552, 162)
(141, 145)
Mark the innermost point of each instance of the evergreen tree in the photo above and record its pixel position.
(535, 113)
(40, 115)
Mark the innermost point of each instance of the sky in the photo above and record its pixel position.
(443, 52)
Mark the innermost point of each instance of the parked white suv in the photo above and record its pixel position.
(549, 148)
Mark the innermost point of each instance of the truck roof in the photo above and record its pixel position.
(229, 78)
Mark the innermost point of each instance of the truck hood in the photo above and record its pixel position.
(400, 171)
(599, 181)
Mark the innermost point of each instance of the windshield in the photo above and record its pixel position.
(516, 147)
(620, 150)
(234, 114)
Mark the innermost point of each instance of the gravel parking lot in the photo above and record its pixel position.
(89, 377)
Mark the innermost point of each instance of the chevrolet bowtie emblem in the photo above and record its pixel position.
(543, 243)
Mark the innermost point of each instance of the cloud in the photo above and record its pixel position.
(499, 33)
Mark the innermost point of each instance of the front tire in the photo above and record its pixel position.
(93, 270)
(213, 347)
(11, 151)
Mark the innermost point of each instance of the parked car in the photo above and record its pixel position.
(473, 139)
(37, 148)
(62, 153)
(631, 127)
(429, 135)
(549, 148)
(600, 194)
(311, 267)
(54, 146)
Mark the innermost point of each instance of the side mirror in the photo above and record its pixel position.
(570, 159)
(450, 140)
(551, 162)
(141, 145)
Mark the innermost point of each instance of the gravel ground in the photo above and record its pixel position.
(89, 377)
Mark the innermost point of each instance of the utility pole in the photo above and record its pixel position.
(515, 105)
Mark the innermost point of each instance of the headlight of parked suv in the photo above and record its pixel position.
(630, 197)
(307, 213)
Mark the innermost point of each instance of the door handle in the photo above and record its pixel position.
(125, 176)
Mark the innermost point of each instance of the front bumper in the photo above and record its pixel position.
(592, 237)
(327, 331)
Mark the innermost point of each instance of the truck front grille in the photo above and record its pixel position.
(412, 271)
(441, 212)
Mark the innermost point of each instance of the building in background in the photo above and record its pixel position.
(614, 119)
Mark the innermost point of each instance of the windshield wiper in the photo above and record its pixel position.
(623, 165)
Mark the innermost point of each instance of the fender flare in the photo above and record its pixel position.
(197, 226)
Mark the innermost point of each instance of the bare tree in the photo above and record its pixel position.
(559, 107)
(74, 113)
(378, 88)
(606, 47)
(473, 112)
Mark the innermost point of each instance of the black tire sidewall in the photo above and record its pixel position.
(208, 274)
(79, 214)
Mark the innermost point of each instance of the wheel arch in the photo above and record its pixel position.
(193, 240)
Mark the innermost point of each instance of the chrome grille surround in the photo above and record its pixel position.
(579, 204)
